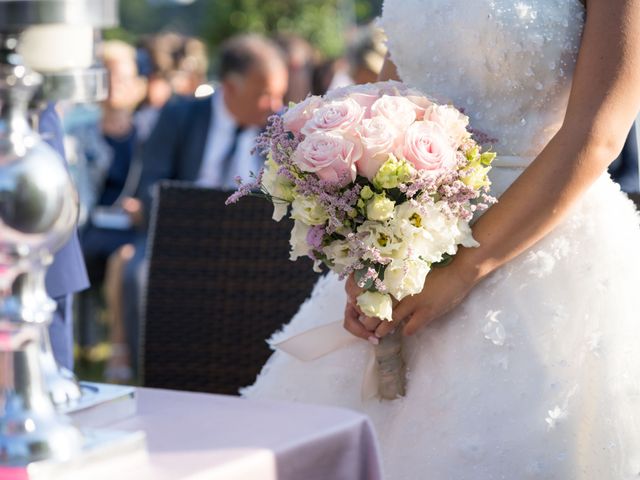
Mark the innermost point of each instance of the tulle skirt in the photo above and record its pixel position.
(535, 375)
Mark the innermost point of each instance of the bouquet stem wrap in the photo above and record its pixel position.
(392, 379)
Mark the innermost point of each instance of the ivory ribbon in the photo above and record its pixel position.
(320, 341)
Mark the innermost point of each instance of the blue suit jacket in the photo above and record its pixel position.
(175, 148)
(67, 274)
(624, 169)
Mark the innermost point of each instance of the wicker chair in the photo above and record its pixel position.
(220, 282)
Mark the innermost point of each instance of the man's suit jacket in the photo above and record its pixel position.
(175, 148)
(67, 274)
(624, 169)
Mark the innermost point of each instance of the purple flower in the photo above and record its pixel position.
(315, 236)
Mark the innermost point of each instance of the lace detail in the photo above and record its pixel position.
(507, 64)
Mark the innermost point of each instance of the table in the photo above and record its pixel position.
(215, 437)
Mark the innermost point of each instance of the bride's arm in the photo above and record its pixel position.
(604, 100)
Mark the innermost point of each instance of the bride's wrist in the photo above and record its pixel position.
(471, 266)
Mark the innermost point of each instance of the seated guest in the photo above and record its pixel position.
(208, 141)
(106, 146)
(102, 146)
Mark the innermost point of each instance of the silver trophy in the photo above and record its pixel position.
(47, 52)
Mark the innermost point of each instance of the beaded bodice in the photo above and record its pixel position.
(508, 64)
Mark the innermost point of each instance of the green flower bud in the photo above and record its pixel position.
(366, 193)
(380, 208)
(392, 173)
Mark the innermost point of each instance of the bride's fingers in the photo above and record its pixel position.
(369, 323)
(404, 308)
(416, 320)
(352, 323)
(385, 328)
(352, 289)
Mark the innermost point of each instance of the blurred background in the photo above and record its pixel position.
(172, 49)
(192, 83)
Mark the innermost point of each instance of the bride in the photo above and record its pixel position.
(523, 354)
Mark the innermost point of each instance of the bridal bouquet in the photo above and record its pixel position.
(381, 183)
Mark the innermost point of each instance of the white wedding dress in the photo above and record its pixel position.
(536, 375)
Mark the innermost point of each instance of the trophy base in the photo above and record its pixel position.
(120, 451)
(101, 405)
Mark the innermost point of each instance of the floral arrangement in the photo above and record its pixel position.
(380, 181)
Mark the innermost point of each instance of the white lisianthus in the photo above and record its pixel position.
(465, 235)
(380, 208)
(429, 233)
(403, 278)
(298, 240)
(338, 254)
(279, 187)
(381, 237)
(376, 304)
(308, 210)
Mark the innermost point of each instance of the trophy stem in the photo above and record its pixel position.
(30, 427)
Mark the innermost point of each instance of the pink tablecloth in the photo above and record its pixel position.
(200, 436)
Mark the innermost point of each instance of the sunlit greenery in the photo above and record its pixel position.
(321, 21)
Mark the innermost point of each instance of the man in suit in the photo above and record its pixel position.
(208, 141)
(67, 274)
(624, 169)
(195, 139)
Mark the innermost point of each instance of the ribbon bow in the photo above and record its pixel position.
(320, 341)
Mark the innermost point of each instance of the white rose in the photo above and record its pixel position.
(308, 210)
(279, 187)
(403, 278)
(376, 304)
(298, 240)
(380, 208)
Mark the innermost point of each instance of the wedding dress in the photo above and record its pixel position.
(536, 375)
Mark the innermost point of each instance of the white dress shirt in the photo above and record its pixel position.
(219, 140)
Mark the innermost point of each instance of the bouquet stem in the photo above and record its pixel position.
(391, 367)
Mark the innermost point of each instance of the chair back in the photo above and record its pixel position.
(219, 284)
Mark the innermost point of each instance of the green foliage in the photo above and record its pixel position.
(323, 22)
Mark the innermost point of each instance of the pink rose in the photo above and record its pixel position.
(400, 111)
(422, 105)
(366, 101)
(427, 147)
(341, 116)
(295, 117)
(330, 156)
(379, 139)
(451, 120)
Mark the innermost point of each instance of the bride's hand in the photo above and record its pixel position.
(444, 289)
(355, 322)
